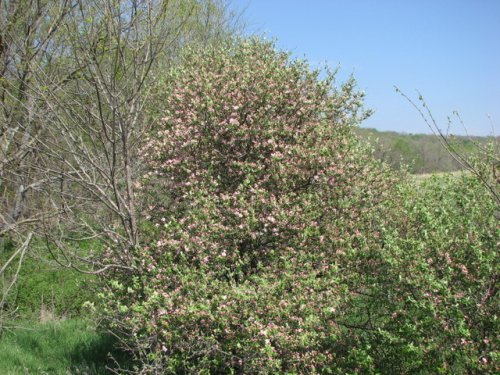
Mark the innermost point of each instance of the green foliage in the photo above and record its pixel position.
(71, 346)
(44, 290)
(47, 286)
(430, 305)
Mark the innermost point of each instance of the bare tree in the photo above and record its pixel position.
(77, 86)
(27, 29)
(118, 50)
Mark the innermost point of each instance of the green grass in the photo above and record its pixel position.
(43, 285)
(421, 177)
(66, 347)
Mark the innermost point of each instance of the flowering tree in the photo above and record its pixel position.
(257, 190)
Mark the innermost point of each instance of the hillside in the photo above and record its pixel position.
(423, 153)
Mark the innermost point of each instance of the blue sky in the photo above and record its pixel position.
(449, 50)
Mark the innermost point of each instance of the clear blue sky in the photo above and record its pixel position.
(449, 50)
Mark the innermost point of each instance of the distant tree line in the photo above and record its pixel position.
(421, 153)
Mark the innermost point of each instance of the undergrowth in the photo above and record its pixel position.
(72, 346)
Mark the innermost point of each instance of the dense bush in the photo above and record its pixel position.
(279, 246)
(259, 191)
(431, 305)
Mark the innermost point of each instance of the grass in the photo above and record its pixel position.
(42, 284)
(421, 177)
(66, 347)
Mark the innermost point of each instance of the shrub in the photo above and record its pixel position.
(279, 246)
(260, 194)
(430, 303)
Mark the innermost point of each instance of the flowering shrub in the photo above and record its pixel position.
(434, 299)
(258, 190)
(277, 245)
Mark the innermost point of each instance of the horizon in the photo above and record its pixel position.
(449, 51)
